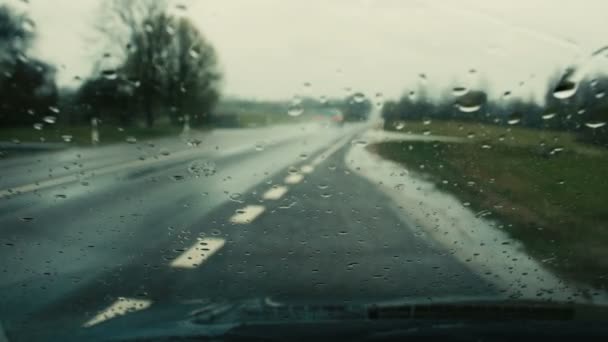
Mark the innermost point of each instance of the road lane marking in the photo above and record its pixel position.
(247, 214)
(202, 250)
(320, 158)
(294, 178)
(120, 307)
(275, 192)
(307, 169)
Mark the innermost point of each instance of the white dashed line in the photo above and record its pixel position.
(307, 169)
(120, 307)
(247, 214)
(197, 254)
(294, 178)
(275, 192)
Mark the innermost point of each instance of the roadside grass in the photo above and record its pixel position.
(555, 203)
(506, 135)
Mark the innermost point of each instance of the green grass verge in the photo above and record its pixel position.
(554, 203)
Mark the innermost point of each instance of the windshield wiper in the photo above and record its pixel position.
(523, 310)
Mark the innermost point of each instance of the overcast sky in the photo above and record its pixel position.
(269, 48)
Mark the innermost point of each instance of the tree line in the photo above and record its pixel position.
(156, 65)
(584, 111)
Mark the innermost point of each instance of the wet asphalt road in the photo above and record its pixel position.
(260, 213)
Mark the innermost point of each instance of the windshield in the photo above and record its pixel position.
(156, 154)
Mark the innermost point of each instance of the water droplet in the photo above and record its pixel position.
(67, 138)
(202, 168)
(459, 91)
(326, 195)
(307, 84)
(295, 110)
(27, 219)
(470, 135)
(109, 74)
(359, 97)
(565, 89)
(426, 122)
(422, 76)
(506, 94)
(426, 132)
(28, 25)
(236, 197)
(38, 126)
(54, 109)
(193, 142)
(600, 94)
(486, 146)
(514, 119)
(399, 125)
(177, 178)
(468, 108)
(323, 99)
(595, 125)
(61, 196)
(259, 146)
(548, 116)
(323, 186)
(49, 119)
(131, 140)
(194, 54)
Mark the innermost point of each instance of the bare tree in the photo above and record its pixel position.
(194, 75)
(167, 59)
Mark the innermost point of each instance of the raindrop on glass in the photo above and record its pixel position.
(468, 108)
(49, 119)
(459, 91)
(109, 74)
(202, 168)
(595, 125)
(359, 97)
(564, 89)
(548, 116)
(295, 110)
(399, 125)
